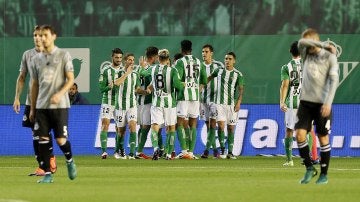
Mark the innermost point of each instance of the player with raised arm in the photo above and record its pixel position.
(320, 80)
(26, 61)
(191, 71)
(208, 111)
(165, 82)
(229, 81)
(126, 108)
(144, 101)
(108, 90)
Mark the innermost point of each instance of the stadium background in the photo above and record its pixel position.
(259, 32)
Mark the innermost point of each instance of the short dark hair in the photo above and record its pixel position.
(186, 45)
(211, 48)
(178, 56)
(231, 53)
(75, 84)
(48, 27)
(128, 55)
(116, 51)
(36, 28)
(151, 51)
(294, 50)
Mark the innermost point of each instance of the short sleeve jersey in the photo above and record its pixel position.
(107, 76)
(228, 83)
(126, 98)
(49, 70)
(292, 72)
(165, 81)
(192, 72)
(145, 80)
(25, 65)
(209, 92)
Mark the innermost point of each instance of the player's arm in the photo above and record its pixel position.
(333, 78)
(19, 88)
(283, 92)
(213, 75)
(34, 94)
(241, 85)
(178, 85)
(104, 84)
(55, 99)
(121, 80)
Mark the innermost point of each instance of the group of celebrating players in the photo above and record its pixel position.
(156, 94)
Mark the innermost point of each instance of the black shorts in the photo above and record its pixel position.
(308, 112)
(51, 119)
(26, 120)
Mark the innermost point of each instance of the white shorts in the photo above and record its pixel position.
(144, 114)
(291, 118)
(107, 111)
(161, 115)
(124, 116)
(208, 111)
(227, 113)
(188, 109)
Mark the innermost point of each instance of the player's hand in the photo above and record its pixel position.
(16, 105)
(148, 91)
(237, 107)
(32, 115)
(283, 107)
(130, 69)
(55, 99)
(142, 61)
(325, 110)
(111, 85)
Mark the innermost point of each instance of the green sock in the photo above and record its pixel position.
(187, 137)
(230, 142)
(154, 139)
(288, 148)
(132, 142)
(182, 137)
(121, 141)
(160, 140)
(210, 139)
(142, 139)
(117, 145)
(192, 139)
(221, 138)
(166, 146)
(171, 142)
(103, 140)
(310, 141)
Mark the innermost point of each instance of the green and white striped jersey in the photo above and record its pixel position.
(228, 83)
(145, 80)
(192, 72)
(292, 72)
(165, 81)
(125, 97)
(209, 91)
(107, 76)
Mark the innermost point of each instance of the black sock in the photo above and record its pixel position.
(44, 154)
(66, 149)
(325, 158)
(36, 150)
(51, 147)
(305, 153)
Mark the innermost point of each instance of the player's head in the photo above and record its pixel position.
(186, 46)
(230, 59)
(177, 56)
(37, 36)
(310, 34)
(207, 52)
(164, 56)
(73, 89)
(129, 59)
(116, 56)
(48, 35)
(151, 54)
(294, 50)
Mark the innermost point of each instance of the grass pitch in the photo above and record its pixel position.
(244, 179)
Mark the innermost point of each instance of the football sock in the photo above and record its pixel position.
(325, 158)
(304, 153)
(210, 139)
(154, 140)
(221, 138)
(44, 154)
(66, 149)
(142, 139)
(51, 149)
(230, 142)
(132, 142)
(310, 141)
(182, 137)
(171, 141)
(192, 139)
(288, 148)
(187, 138)
(121, 141)
(160, 140)
(103, 140)
(36, 149)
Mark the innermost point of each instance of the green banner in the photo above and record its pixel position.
(259, 58)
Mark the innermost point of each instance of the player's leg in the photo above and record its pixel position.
(131, 116)
(193, 117)
(170, 121)
(231, 124)
(212, 128)
(106, 111)
(120, 121)
(290, 120)
(221, 118)
(144, 119)
(204, 115)
(181, 115)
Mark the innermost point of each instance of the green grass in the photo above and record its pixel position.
(244, 179)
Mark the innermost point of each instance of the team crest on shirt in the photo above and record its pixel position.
(36, 126)
(24, 118)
